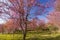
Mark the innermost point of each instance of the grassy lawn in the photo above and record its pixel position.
(31, 36)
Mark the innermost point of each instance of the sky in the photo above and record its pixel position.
(49, 9)
(2, 21)
(34, 9)
(3, 17)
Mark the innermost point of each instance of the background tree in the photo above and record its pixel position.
(54, 16)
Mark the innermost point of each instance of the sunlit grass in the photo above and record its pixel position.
(10, 36)
(31, 36)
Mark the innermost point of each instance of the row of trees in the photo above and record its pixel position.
(33, 25)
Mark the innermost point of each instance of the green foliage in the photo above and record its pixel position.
(42, 29)
(17, 32)
(49, 28)
(53, 28)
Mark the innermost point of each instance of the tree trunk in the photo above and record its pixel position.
(25, 32)
(24, 35)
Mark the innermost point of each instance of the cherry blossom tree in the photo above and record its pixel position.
(23, 8)
(54, 16)
(20, 10)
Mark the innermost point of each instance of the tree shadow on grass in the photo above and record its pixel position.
(33, 38)
(38, 38)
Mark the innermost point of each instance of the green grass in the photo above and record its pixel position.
(31, 36)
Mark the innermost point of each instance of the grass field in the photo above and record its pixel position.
(31, 36)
